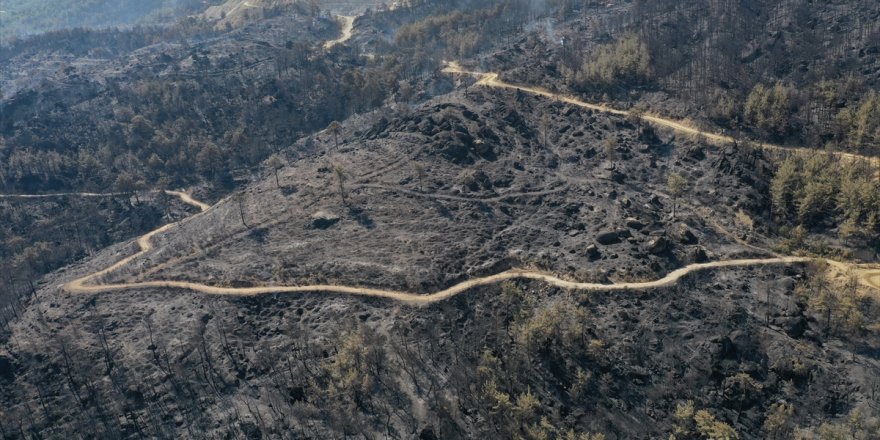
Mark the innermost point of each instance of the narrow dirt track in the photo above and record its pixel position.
(186, 198)
(347, 28)
(80, 286)
(869, 277)
(492, 80)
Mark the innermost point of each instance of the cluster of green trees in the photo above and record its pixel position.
(445, 29)
(858, 126)
(769, 110)
(696, 424)
(780, 425)
(843, 114)
(822, 191)
(832, 113)
(840, 308)
(470, 27)
(624, 62)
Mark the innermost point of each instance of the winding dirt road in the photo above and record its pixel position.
(347, 28)
(88, 284)
(492, 80)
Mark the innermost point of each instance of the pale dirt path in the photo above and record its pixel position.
(186, 198)
(347, 28)
(84, 285)
(79, 286)
(143, 242)
(492, 80)
(869, 277)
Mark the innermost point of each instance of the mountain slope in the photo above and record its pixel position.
(463, 185)
(431, 180)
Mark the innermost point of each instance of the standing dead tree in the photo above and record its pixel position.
(239, 199)
(341, 178)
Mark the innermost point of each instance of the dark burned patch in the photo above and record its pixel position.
(7, 369)
(259, 234)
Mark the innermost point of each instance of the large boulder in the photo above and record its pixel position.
(634, 223)
(593, 252)
(686, 236)
(657, 245)
(698, 255)
(324, 219)
(696, 153)
(608, 237)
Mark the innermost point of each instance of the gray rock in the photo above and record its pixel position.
(658, 245)
(324, 219)
(608, 237)
(697, 153)
(698, 255)
(593, 252)
(685, 236)
(794, 326)
(634, 223)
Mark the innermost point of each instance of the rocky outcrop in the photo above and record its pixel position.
(324, 219)
(657, 245)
